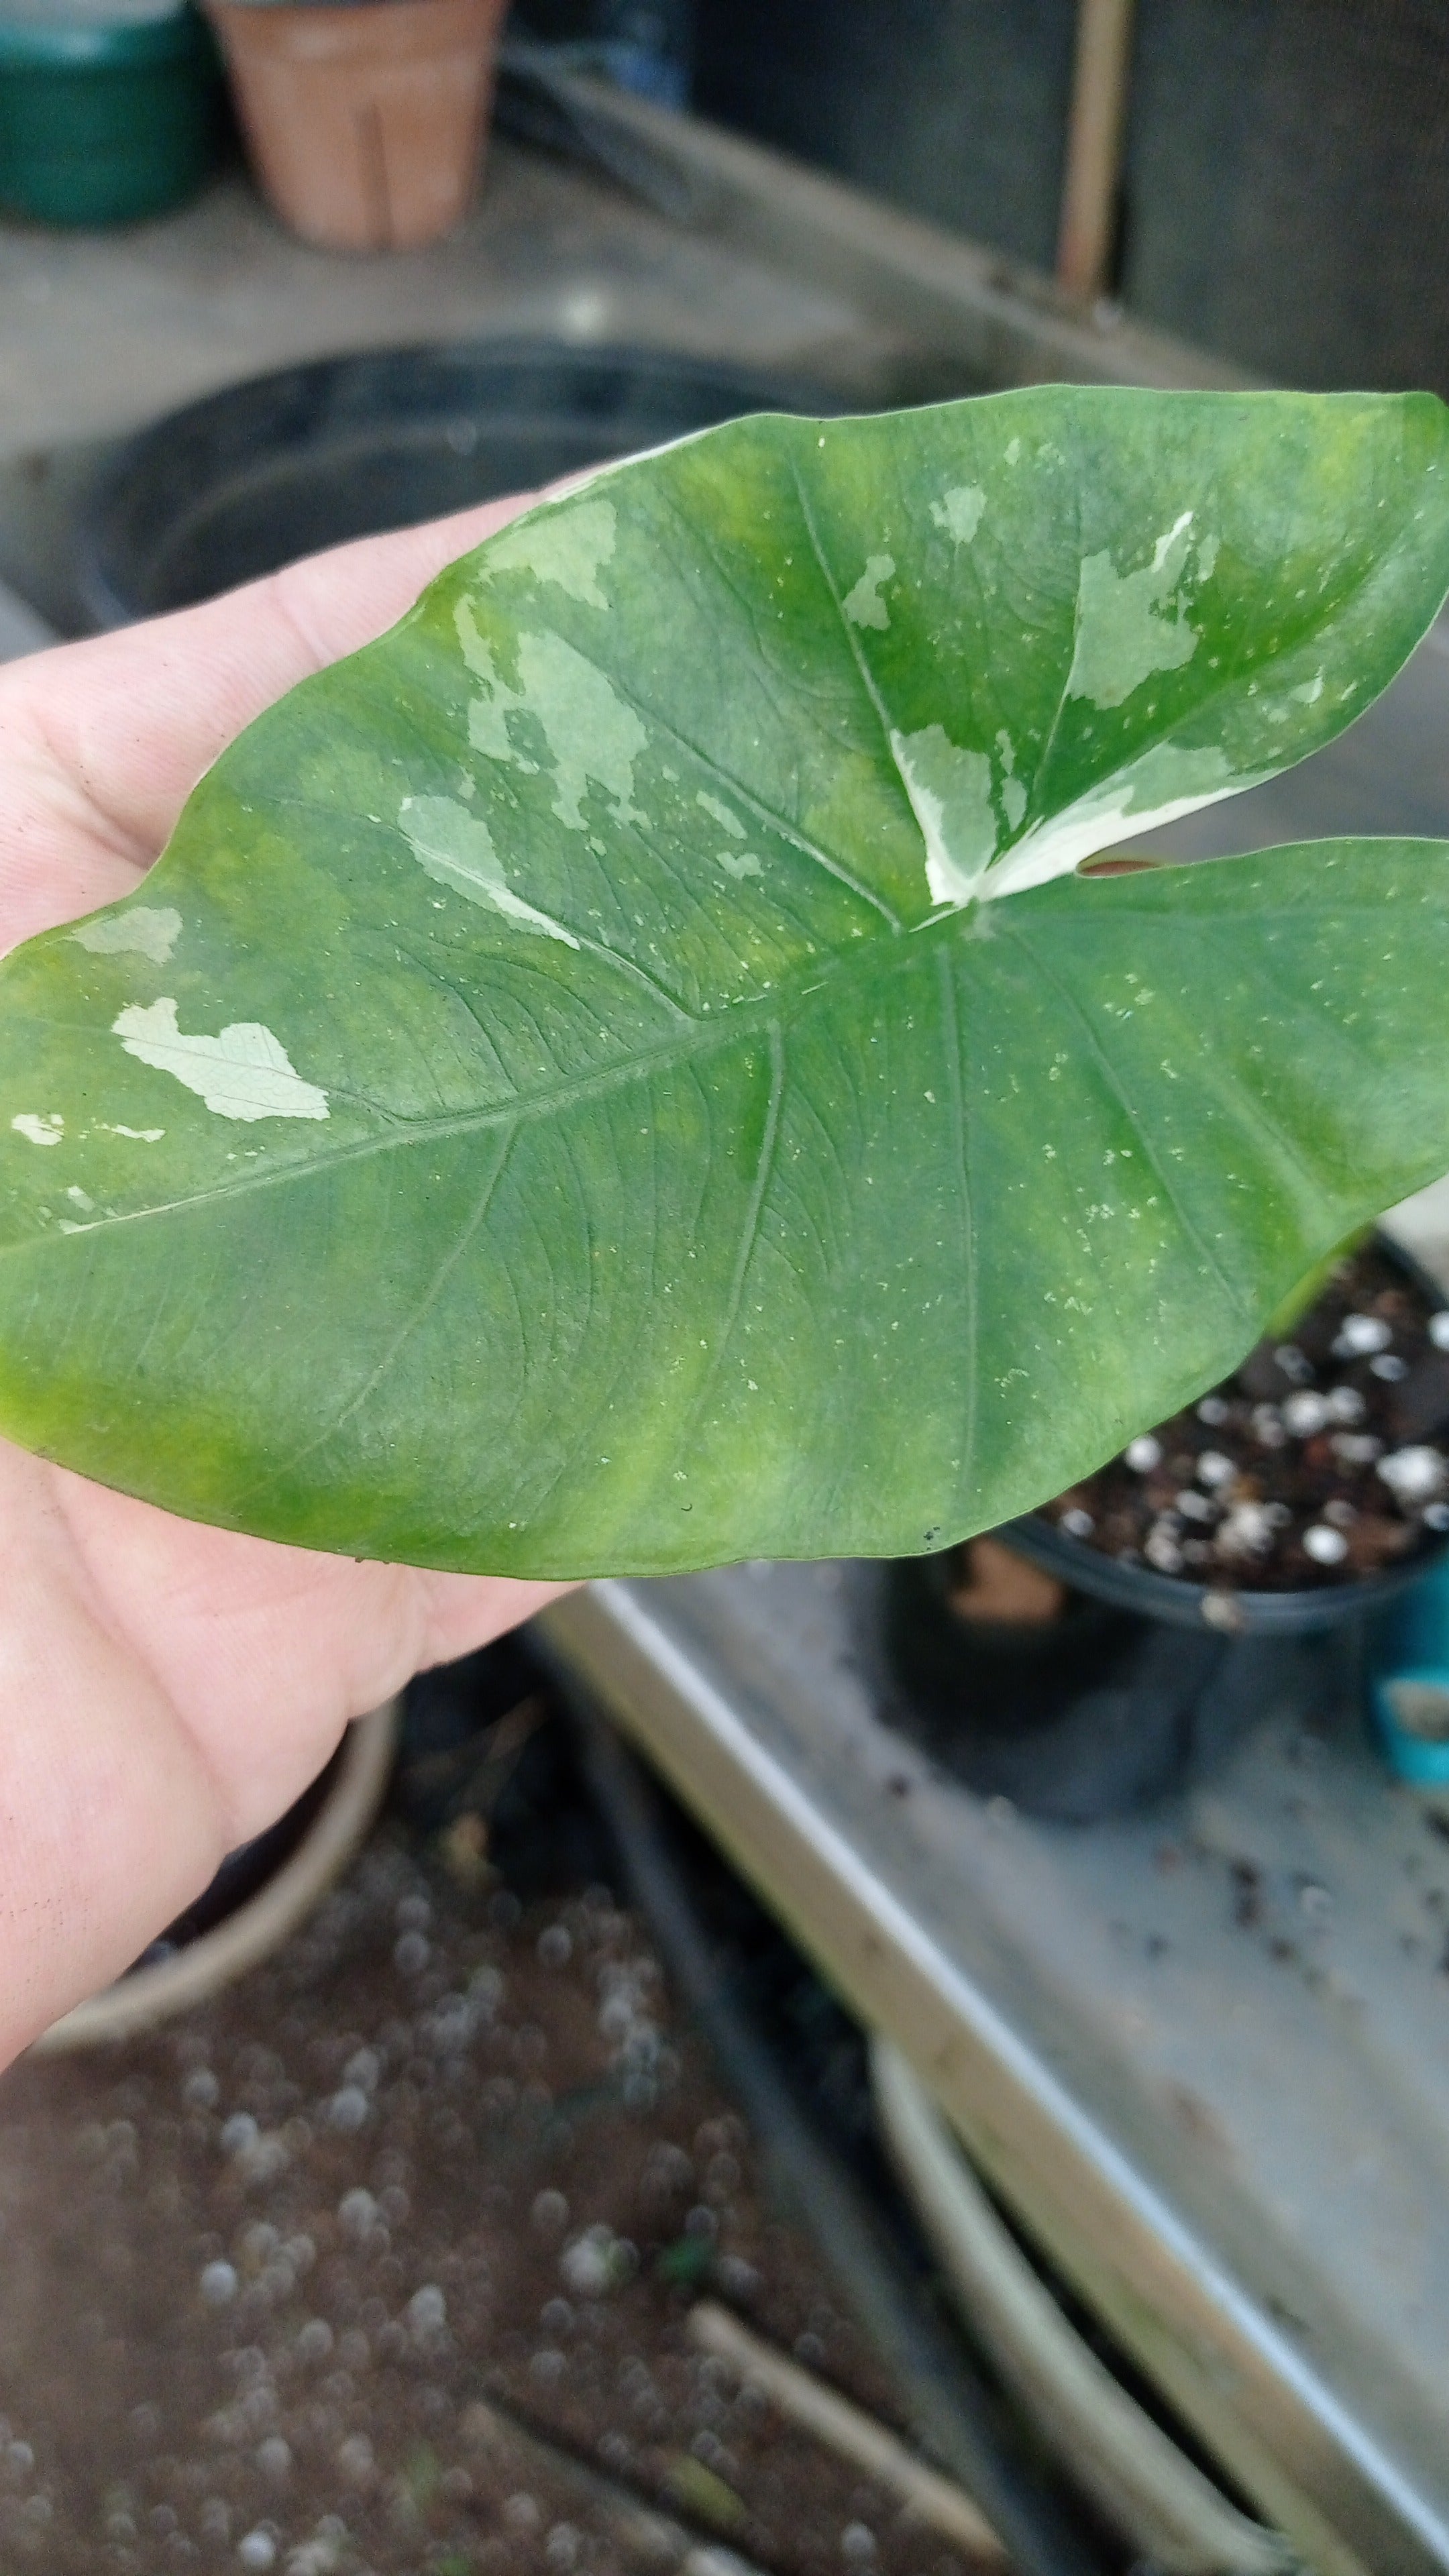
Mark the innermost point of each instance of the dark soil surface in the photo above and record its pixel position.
(261, 2273)
(1325, 1459)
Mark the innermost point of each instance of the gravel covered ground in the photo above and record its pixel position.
(262, 2274)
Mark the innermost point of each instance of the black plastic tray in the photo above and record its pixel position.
(251, 478)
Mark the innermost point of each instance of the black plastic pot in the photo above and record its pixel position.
(253, 477)
(1143, 1684)
(1168, 1599)
(1106, 1709)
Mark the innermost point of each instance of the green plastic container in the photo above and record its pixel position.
(109, 109)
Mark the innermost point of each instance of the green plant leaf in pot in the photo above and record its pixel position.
(623, 1074)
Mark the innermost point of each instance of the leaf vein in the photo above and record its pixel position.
(960, 1117)
(402, 1336)
(1240, 1303)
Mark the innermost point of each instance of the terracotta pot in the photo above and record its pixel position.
(365, 120)
(257, 1900)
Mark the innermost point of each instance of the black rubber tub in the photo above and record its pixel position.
(255, 476)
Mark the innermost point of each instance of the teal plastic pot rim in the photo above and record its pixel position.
(35, 37)
(1421, 1759)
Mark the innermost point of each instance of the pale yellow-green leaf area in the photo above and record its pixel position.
(568, 549)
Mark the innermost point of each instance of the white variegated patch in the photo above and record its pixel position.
(455, 848)
(1152, 791)
(950, 795)
(591, 736)
(141, 930)
(718, 812)
(1125, 632)
(864, 605)
(566, 547)
(244, 1072)
(960, 512)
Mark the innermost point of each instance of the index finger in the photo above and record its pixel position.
(106, 739)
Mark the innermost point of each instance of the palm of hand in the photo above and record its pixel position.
(169, 1689)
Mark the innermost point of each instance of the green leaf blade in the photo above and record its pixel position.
(595, 1083)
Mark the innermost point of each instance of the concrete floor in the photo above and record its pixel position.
(101, 331)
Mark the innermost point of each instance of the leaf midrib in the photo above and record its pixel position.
(760, 1011)
(856, 963)
(1321, 614)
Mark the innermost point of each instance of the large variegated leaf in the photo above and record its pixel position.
(621, 1074)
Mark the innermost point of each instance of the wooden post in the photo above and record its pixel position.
(1096, 127)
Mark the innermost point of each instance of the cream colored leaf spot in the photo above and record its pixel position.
(960, 512)
(1130, 625)
(43, 1128)
(138, 930)
(950, 795)
(1165, 782)
(864, 605)
(567, 546)
(455, 848)
(1013, 793)
(590, 735)
(243, 1073)
(721, 814)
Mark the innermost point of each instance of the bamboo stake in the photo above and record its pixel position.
(847, 2430)
(623, 2518)
(1096, 128)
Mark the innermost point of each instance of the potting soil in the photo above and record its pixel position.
(1324, 1459)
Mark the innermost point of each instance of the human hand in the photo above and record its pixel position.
(169, 1689)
